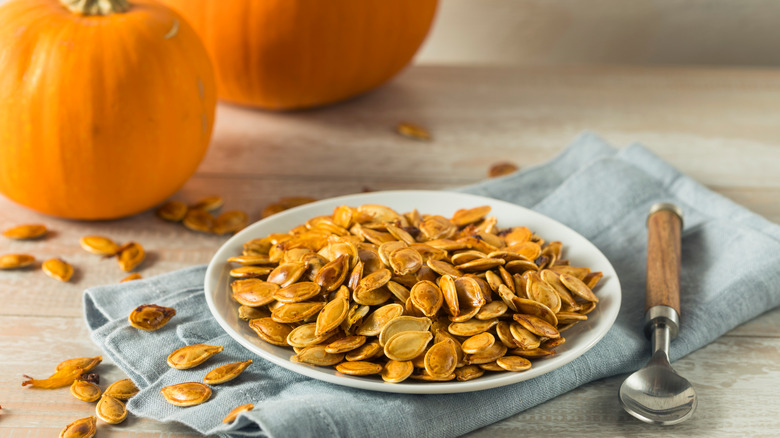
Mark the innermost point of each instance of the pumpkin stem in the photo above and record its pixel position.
(96, 7)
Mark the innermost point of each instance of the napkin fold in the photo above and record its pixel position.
(730, 274)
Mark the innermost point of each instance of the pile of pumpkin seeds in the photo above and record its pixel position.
(371, 291)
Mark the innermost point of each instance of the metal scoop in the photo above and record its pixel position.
(656, 393)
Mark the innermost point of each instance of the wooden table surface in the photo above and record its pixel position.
(720, 126)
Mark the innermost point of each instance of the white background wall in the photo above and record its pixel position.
(604, 31)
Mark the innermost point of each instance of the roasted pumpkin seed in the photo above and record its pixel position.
(198, 220)
(58, 269)
(111, 410)
(150, 317)
(226, 373)
(191, 356)
(85, 391)
(359, 368)
(186, 394)
(130, 256)
(232, 415)
(172, 211)
(85, 363)
(99, 245)
(123, 389)
(63, 377)
(501, 169)
(230, 222)
(81, 428)
(209, 203)
(397, 371)
(270, 331)
(16, 261)
(25, 232)
(413, 131)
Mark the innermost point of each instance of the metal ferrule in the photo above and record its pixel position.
(662, 315)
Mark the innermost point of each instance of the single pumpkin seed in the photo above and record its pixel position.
(150, 317)
(232, 415)
(286, 274)
(209, 203)
(488, 355)
(186, 394)
(198, 220)
(333, 314)
(85, 363)
(402, 324)
(25, 232)
(123, 389)
(501, 169)
(250, 271)
(58, 269)
(253, 292)
(536, 325)
(172, 211)
(471, 327)
(359, 368)
(226, 373)
(297, 292)
(317, 355)
(16, 261)
(441, 359)
(99, 245)
(296, 312)
(577, 287)
(407, 345)
(513, 363)
(413, 131)
(468, 372)
(478, 343)
(81, 428)
(270, 331)
(373, 324)
(230, 222)
(345, 344)
(191, 356)
(111, 410)
(397, 371)
(305, 335)
(367, 351)
(85, 391)
(522, 337)
(130, 256)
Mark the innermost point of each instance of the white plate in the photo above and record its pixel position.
(579, 250)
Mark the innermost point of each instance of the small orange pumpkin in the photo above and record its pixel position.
(288, 54)
(106, 106)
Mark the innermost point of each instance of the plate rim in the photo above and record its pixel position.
(216, 270)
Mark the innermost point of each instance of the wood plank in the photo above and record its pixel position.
(479, 115)
(34, 346)
(736, 398)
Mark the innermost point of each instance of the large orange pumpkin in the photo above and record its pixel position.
(105, 109)
(288, 54)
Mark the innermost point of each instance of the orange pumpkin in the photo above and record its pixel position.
(288, 54)
(105, 109)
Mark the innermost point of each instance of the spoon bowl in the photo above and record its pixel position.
(657, 394)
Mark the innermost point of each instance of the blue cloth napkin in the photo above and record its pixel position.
(730, 274)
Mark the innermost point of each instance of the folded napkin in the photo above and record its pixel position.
(730, 274)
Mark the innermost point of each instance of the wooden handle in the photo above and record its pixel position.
(664, 226)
